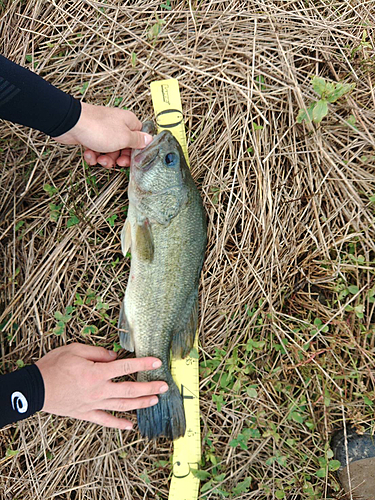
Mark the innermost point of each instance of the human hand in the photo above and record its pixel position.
(77, 382)
(103, 130)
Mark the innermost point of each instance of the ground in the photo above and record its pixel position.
(287, 294)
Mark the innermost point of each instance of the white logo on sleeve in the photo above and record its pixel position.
(19, 402)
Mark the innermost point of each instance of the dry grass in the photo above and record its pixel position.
(290, 227)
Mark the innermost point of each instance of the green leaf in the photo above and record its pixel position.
(72, 221)
(10, 452)
(63, 318)
(242, 487)
(279, 494)
(59, 329)
(321, 472)
(20, 363)
(19, 225)
(297, 417)
(251, 392)
(319, 85)
(219, 478)
(270, 460)
(334, 465)
(320, 110)
(84, 88)
(252, 433)
(116, 347)
(254, 344)
(145, 477)
(218, 399)
(359, 310)
(257, 127)
(161, 463)
(28, 58)
(51, 190)
(202, 475)
(79, 301)
(353, 289)
(303, 116)
(351, 121)
(89, 330)
(111, 220)
(260, 79)
(58, 315)
(54, 213)
(133, 59)
(340, 90)
(207, 486)
(101, 305)
(166, 5)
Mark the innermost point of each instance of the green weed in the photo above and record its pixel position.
(329, 93)
(155, 29)
(62, 320)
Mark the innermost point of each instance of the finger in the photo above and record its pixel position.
(92, 353)
(122, 367)
(124, 159)
(107, 420)
(138, 140)
(115, 404)
(109, 159)
(132, 390)
(91, 157)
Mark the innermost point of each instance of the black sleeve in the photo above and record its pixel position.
(21, 394)
(28, 99)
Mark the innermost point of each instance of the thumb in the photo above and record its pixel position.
(138, 140)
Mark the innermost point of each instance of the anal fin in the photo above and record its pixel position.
(183, 339)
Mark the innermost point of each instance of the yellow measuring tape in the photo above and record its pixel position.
(187, 450)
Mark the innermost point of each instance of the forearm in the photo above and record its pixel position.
(28, 99)
(21, 394)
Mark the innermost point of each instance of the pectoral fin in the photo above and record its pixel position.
(126, 238)
(144, 242)
(183, 339)
(126, 337)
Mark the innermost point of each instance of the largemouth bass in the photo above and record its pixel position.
(166, 231)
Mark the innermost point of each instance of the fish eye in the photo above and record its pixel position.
(170, 159)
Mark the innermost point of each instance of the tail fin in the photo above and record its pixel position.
(167, 418)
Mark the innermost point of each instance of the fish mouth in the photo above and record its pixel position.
(146, 166)
(144, 158)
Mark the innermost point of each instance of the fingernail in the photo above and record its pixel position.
(104, 163)
(163, 388)
(128, 427)
(112, 354)
(88, 156)
(147, 138)
(156, 364)
(154, 401)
